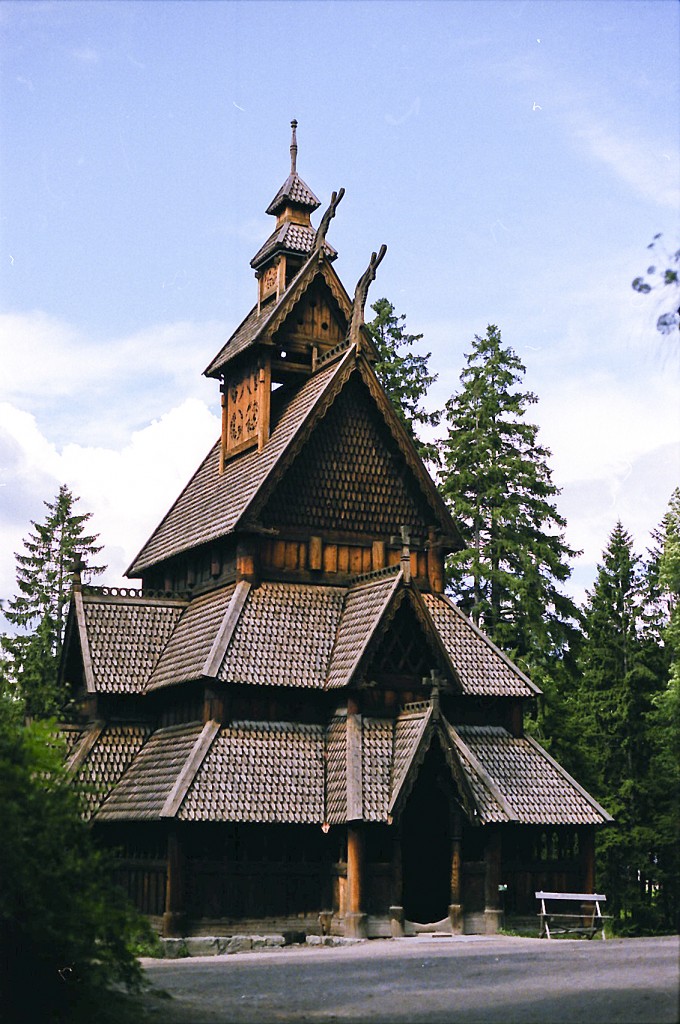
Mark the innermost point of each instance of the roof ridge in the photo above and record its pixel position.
(489, 642)
(226, 629)
(369, 634)
(565, 774)
(375, 574)
(190, 768)
(481, 772)
(135, 592)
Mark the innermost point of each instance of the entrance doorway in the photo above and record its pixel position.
(426, 842)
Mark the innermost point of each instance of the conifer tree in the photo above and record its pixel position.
(405, 376)
(663, 732)
(498, 484)
(31, 655)
(623, 668)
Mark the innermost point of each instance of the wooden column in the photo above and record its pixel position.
(492, 859)
(436, 574)
(355, 919)
(247, 560)
(455, 901)
(587, 856)
(173, 918)
(397, 907)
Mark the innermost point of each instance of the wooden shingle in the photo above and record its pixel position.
(536, 788)
(482, 669)
(141, 793)
(260, 772)
(126, 637)
(284, 636)
(186, 653)
(212, 504)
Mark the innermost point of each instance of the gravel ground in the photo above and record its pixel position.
(472, 979)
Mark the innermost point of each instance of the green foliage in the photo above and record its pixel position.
(31, 655)
(662, 278)
(624, 723)
(66, 932)
(498, 485)
(405, 377)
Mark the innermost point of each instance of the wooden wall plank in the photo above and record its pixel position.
(330, 558)
(315, 553)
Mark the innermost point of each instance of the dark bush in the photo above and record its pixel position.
(67, 934)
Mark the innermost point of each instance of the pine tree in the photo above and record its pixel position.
(31, 655)
(623, 667)
(498, 484)
(405, 377)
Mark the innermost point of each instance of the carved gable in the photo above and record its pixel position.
(404, 652)
(350, 477)
(314, 325)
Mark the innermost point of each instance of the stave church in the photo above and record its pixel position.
(289, 725)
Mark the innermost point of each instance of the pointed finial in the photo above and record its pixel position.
(77, 566)
(293, 149)
(359, 303)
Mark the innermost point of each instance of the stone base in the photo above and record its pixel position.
(397, 922)
(355, 926)
(326, 921)
(174, 925)
(456, 918)
(493, 920)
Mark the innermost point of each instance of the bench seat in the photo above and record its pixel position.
(556, 921)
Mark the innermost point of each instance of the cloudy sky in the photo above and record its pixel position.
(516, 157)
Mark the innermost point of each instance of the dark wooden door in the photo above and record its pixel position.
(426, 843)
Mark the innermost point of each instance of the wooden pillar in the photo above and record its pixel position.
(397, 907)
(173, 918)
(355, 919)
(587, 856)
(436, 573)
(455, 901)
(247, 561)
(492, 859)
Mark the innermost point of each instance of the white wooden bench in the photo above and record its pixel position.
(560, 920)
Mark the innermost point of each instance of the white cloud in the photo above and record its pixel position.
(650, 168)
(86, 55)
(103, 388)
(127, 489)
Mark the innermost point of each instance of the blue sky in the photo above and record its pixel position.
(516, 158)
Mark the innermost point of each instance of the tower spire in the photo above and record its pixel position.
(293, 148)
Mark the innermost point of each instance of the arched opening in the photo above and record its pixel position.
(427, 842)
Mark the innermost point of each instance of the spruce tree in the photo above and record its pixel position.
(663, 732)
(405, 376)
(31, 654)
(623, 667)
(498, 484)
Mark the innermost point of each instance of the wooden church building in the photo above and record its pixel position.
(290, 725)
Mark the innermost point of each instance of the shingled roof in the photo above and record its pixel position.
(363, 608)
(536, 788)
(278, 634)
(295, 191)
(295, 772)
(106, 754)
(122, 634)
(482, 668)
(148, 783)
(290, 237)
(260, 771)
(213, 503)
(186, 653)
(284, 636)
